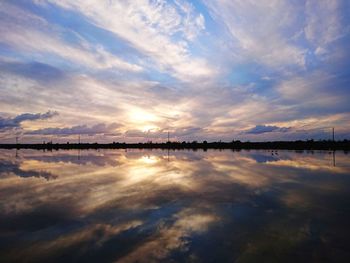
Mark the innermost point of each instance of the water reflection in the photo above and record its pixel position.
(150, 206)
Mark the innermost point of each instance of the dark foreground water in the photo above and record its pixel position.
(182, 206)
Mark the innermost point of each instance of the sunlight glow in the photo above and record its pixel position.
(143, 120)
(149, 159)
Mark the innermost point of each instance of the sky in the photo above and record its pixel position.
(133, 71)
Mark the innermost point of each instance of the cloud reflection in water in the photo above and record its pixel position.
(144, 206)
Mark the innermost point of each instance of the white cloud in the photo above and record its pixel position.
(29, 33)
(260, 31)
(323, 23)
(152, 27)
(315, 89)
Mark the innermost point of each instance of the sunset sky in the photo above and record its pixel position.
(213, 69)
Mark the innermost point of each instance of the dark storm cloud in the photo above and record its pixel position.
(100, 128)
(10, 123)
(258, 129)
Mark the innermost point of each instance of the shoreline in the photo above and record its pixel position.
(236, 145)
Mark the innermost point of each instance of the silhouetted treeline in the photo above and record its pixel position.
(288, 145)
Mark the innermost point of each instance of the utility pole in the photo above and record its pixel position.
(79, 139)
(168, 137)
(333, 133)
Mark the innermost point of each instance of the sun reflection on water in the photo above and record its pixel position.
(156, 206)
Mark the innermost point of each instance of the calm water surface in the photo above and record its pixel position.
(181, 206)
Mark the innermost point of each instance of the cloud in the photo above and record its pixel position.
(15, 168)
(259, 129)
(260, 31)
(324, 23)
(317, 91)
(28, 32)
(100, 128)
(161, 31)
(175, 133)
(34, 70)
(198, 70)
(10, 123)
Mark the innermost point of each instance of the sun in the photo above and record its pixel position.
(143, 120)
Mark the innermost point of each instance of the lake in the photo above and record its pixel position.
(174, 206)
